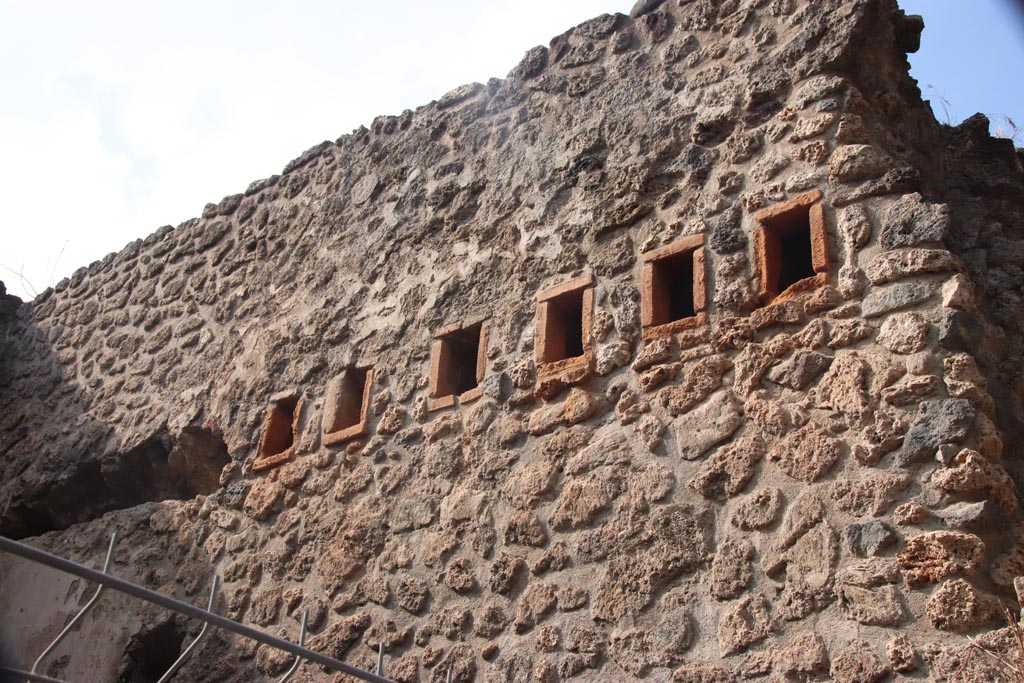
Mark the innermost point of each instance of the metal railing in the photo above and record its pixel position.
(208, 616)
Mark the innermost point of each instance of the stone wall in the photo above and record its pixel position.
(795, 480)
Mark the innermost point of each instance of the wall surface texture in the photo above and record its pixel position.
(810, 484)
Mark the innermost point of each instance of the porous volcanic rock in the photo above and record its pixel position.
(690, 350)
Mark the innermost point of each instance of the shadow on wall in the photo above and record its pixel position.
(122, 638)
(4, 662)
(151, 653)
(46, 489)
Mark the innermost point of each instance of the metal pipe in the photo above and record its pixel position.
(202, 632)
(81, 612)
(129, 588)
(302, 641)
(28, 675)
(380, 659)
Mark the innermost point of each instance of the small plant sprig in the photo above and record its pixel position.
(1010, 663)
(1005, 127)
(1002, 125)
(946, 104)
(20, 274)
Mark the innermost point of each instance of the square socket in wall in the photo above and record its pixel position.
(347, 407)
(280, 431)
(791, 246)
(564, 320)
(458, 361)
(674, 290)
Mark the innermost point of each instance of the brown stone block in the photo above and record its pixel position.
(778, 211)
(481, 355)
(700, 281)
(581, 282)
(675, 327)
(441, 403)
(819, 239)
(937, 555)
(471, 395)
(805, 286)
(682, 246)
(766, 249)
(569, 370)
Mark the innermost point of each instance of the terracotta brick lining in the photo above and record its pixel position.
(786, 222)
(346, 413)
(458, 358)
(660, 267)
(280, 433)
(558, 309)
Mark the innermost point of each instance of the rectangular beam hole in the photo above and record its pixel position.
(795, 255)
(348, 409)
(278, 430)
(792, 244)
(458, 361)
(672, 289)
(563, 333)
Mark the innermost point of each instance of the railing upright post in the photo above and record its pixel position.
(302, 642)
(202, 632)
(81, 613)
(185, 608)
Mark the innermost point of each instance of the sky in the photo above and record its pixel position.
(120, 116)
(970, 61)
